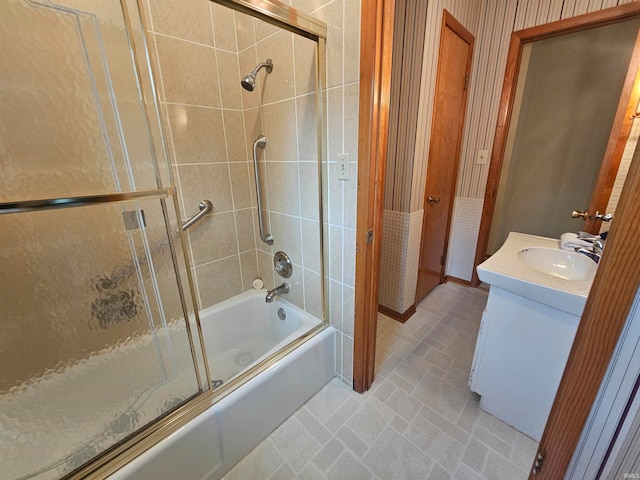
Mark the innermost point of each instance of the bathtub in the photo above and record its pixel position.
(239, 333)
(244, 330)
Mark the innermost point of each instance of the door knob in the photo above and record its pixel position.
(579, 214)
(433, 200)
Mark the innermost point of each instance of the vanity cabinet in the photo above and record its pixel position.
(520, 355)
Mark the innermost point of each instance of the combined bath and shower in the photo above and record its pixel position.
(249, 81)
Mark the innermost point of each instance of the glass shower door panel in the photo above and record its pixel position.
(93, 342)
(73, 118)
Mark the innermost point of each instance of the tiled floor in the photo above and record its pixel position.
(418, 421)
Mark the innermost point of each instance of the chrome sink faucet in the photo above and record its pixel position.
(284, 288)
(594, 252)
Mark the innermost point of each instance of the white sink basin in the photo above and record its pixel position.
(558, 263)
(536, 268)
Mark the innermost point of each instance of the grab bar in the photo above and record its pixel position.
(205, 207)
(261, 142)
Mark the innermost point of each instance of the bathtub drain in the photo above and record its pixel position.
(243, 359)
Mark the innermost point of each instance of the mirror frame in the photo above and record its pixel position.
(622, 121)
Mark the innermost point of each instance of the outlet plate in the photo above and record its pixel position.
(343, 166)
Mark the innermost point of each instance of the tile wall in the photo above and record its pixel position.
(343, 61)
(203, 50)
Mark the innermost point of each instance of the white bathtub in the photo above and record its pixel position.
(236, 331)
(242, 331)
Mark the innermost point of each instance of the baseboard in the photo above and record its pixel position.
(400, 317)
(460, 281)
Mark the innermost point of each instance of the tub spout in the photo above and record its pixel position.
(284, 288)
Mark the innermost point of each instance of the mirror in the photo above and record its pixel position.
(563, 124)
(567, 95)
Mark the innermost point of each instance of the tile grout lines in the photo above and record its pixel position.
(402, 425)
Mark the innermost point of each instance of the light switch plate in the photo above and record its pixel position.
(343, 166)
(483, 157)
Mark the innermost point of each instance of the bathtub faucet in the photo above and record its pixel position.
(284, 288)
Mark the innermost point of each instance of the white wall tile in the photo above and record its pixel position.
(464, 237)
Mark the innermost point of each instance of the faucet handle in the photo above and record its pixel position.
(605, 217)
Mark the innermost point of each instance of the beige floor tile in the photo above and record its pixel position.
(393, 456)
(499, 468)
(419, 420)
(347, 467)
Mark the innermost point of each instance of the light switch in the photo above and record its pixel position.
(343, 166)
(483, 157)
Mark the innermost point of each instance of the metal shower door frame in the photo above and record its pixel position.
(288, 19)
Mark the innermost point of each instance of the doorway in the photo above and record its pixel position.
(454, 66)
(561, 140)
(606, 310)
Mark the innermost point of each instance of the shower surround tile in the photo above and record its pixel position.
(202, 53)
(188, 72)
(221, 18)
(171, 18)
(197, 134)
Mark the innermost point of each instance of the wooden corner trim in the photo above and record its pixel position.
(400, 317)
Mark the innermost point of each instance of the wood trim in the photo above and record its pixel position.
(400, 317)
(459, 281)
(598, 18)
(518, 39)
(450, 21)
(376, 44)
(620, 132)
(612, 294)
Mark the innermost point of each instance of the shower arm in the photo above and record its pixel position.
(268, 66)
(261, 142)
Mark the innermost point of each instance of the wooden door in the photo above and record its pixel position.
(454, 65)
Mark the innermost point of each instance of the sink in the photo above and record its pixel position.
(536, 268)
(558, 263)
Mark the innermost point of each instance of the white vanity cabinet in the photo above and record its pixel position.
(527, 330)
(519, 359)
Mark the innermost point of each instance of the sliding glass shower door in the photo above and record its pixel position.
(95, 338)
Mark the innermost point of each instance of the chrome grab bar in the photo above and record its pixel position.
(205, 207)
(261, 142)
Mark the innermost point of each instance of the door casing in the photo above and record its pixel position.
(620, 130)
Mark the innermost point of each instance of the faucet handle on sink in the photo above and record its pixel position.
(605, 217)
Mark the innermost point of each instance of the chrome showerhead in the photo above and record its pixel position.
(249, 81)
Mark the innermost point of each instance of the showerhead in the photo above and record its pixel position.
(249, 81)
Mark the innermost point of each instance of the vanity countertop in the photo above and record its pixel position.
(504, 269)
